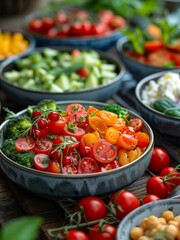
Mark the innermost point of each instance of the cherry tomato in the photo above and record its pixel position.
(136, 123)
(43, 146)
(24, 144)
(94, 208)
(85, 151)
(54, 167)
(35, 25)
(104, 152)
(53, 116)
(150, 198)
(74, 234)
(112, 135)
(108, 117)
(83, 72)
(77, 133)
(70, 164)
(47, 24)
(103, 232)
(156, 185)
(36, 113)
(143, 139)
(76, 112)
(172, 176)
(61, 18)
(88, 165)
(106, 15)
(159, 160)
(41, 161)
(89, 139)
(56, 127)
(98, 124)
(117, 22)
(40, 132)
(154, 45)
(42, 123)
(124, 200)
(127, 141)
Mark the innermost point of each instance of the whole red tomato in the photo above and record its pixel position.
(94, 208)
(75, 235)
(124, 202)
(172, 176)
(102, 232)
(159, 160)
(157, 185)
(150, 198)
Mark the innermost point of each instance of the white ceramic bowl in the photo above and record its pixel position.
(135, 217)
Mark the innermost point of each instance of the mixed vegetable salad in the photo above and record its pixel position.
(158, 45)
(163, 94)
(74, 140)
(76, 23)
(57, 71)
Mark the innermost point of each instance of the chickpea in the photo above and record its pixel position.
(175, 223)
(168, 215)
(172, 230)
(143, 224)
(152, 221)
(145, 238)
(161, 227)
(162, 221)
(178, 236)
(177, 219)
(136, 233)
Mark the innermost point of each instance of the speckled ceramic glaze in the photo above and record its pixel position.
(58, 185)
(166, 125)
(137, 69)
(135, 217)
(27, 96)
(95, 42)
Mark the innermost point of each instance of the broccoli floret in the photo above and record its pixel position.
(9, 149)
(17, 127)
(115, 108)
(47, 105)
(25, 158)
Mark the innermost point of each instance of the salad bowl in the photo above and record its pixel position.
(55, 185)
(97, 88)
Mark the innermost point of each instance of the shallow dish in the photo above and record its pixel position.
(28, 96)
(138, 69)
(135, 217)
(52, 185)
(166, 125)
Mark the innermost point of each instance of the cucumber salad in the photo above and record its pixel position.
(163, 94)
(57, 71)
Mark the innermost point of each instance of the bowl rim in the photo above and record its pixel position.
(119, 47)
(103, 55)
(141, 209)
(143, 82)
(36, 14)
(76, 176)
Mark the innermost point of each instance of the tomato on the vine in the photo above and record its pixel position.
(150, 198)
(159, 160)
(172, 176)
(102, 232)
(94, 208)
(74, 234)
(158, 186)
(124, 202)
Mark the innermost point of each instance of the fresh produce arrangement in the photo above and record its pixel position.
(74, 140)
(164, 227)
(158, 45)
(76, 23)
(57, 71)
(12, 44)
(163, 94)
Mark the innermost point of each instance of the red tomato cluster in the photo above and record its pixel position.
(76, 23)
(83, 141)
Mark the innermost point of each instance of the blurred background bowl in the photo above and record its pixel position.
(136, 68)
(28, 96)
(51, 185)
(167, 126)
(99, 42)
(154, 208)
(21, 39)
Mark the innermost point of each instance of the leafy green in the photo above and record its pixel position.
(24, 228)
(115, 108)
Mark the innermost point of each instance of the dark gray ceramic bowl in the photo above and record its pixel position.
(95, 42)
(135, 217)
(56, 186)
(27, 96)
(27, 36)
(137, 69)
(165, 125)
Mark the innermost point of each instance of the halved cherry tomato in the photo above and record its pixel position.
(88, 165)
(43, 146)
(119, 124)
(24, 144)
(92, 111)
(152, 46)
(54, 167)
(56, 127)
(98, 124)
(127, 156)
(143, 139)
(104, 152)
(40, 132)
(70, 164)
(136, 123)
(77, 132)
(127, 141)
(108, 117)
(89, 139)
(112, 135)
(76, 112)
(41, 161)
